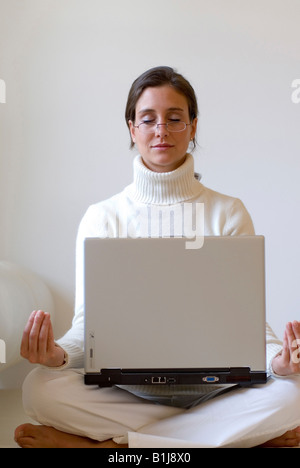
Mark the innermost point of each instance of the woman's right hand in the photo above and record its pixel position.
(288, 361)
(38, 345)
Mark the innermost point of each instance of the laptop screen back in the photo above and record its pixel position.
(152, 303)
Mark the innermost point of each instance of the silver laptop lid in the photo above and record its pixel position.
(152, 303)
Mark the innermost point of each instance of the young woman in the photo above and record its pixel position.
(161, 114)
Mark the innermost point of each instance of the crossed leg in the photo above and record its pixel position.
(32, 436)
(74, 415)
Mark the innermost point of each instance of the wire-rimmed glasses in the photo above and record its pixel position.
(151, 127)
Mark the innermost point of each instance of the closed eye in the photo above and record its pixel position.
(148, 122)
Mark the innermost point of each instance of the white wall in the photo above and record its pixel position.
(68, 66)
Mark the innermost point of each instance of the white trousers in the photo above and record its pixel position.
(243, 418)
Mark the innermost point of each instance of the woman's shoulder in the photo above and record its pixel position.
(94, 220)
(227, 211)
(218, 197)
(102, 207)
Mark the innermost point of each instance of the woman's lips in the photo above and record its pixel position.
(162, 146)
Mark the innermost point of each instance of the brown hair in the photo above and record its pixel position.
(160, 76)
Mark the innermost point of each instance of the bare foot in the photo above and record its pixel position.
(289, 439)
(31, 436)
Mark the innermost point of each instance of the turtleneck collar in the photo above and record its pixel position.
(164, 188)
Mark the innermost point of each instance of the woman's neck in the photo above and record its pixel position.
(165, 188)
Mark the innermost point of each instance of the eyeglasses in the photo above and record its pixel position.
(151, 127)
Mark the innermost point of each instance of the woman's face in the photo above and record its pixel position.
(162, 150)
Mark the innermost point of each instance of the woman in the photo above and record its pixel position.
(161, 114)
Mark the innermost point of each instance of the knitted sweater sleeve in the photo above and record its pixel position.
(93, 224)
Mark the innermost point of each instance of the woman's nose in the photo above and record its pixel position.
(162, 129)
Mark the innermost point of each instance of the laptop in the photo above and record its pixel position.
(158, 313)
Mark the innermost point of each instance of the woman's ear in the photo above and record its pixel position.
(132, 130)
(194, 128)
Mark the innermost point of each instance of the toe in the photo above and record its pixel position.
(19, 431)
(24, 435)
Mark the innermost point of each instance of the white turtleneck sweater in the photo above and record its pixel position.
(127, 215)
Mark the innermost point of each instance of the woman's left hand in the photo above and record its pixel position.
(288, 361)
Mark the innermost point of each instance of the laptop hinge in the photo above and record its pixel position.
(234, 375)
(239, 370)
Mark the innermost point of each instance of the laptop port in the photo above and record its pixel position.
(171, 380)
(159, 380)
(210, 379)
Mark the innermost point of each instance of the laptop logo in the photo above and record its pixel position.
(91, 347)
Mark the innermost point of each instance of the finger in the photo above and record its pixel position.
(24, 348)
(286, 349)
(296, 329)
(51, 341)
(42, 343)
(290, 336)
(294, 341)
(293, 331)
(34, 336)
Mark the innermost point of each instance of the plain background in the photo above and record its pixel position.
(68, 66)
